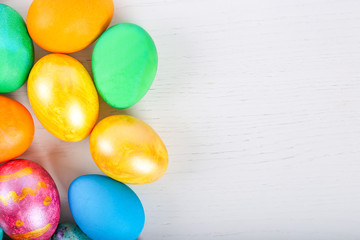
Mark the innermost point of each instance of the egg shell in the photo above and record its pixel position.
(29, 201)
(63, 97)
(16, 129)
(128, 150)
(16, 50)
(65, 26)
(105, 209)
(124, 64)
(69, 231)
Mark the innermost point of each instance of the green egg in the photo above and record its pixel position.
(124, 64)
(16, 50)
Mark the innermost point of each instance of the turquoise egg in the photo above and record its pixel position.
(105, 209)
(16, 50)
(1, 233)
(124, 64)
(69, 231)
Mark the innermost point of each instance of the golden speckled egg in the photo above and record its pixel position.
(128, 150)
(63, 97)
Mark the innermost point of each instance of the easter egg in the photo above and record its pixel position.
(128, 150)
(65, 26)
(16, 129)
(124, 64)
(105, 209)
(63, 97)
(29, 201)
(69, 231)
(1, 233)
(16, 50)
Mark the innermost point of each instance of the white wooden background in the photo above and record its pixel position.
(258, 103)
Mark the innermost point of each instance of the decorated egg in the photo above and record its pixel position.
(69, 231)
(65, 26)
(29, 201)
(128, 150)
(1, 233)
(63, 97)
(16, 129)
(105, 209)
(124, 64)
(16, 50)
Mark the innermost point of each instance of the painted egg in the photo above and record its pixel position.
(63, 97)
(65, 26)
(1, 233)
(124, 64)
(105, 209)
(16, 50)
(128, 150)
(69, 231)
(29, 201)
(16, 129)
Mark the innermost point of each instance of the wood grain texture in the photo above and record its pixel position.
(258, 103)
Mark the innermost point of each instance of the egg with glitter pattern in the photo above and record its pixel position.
(128, 150)
(29, 201)
(63, 97)
(69, 231)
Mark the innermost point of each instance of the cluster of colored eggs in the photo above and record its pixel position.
(65, 101)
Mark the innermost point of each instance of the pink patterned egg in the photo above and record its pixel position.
(29, 201)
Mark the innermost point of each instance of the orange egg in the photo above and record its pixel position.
(66, 26)
(16, 129)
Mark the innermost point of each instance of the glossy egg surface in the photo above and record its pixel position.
(128, 150)
(63, 97)
(29, 201)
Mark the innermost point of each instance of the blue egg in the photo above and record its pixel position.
(105, 209)
(1, 233)
(69, 231)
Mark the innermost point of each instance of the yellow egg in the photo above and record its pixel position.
(128, 150)
(63, 97)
